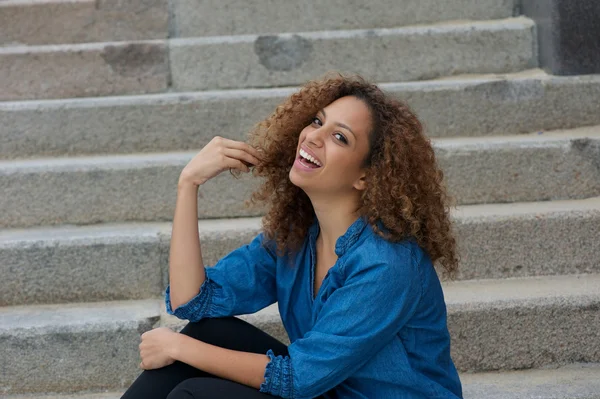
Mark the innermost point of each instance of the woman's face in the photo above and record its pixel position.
(337, 139)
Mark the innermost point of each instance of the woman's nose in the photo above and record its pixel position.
(316, 136)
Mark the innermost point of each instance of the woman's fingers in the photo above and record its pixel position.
(240, 145)
(245, 157)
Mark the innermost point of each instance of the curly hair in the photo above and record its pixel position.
(405, 189)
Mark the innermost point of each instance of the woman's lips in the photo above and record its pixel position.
(302, 164)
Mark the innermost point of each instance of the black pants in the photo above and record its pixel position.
(179, 380)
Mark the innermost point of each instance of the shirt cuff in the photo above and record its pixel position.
(278, 376)
(196, 308)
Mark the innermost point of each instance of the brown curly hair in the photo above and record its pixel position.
(405, 189)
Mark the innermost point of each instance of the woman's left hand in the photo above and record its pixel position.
(157, 347)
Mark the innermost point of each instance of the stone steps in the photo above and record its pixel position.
(73, 347)
(83, 70)
(382, 55)
(130, 261)
(495, 324)
(235, 17)
(34, 22)
(577, 381)
(462, 106)
(142, 187)
(225, 62)
(76, 21)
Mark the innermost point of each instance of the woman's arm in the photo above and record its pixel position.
(186, 268)
(242, 367)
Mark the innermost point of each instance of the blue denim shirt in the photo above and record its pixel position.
(376, 329)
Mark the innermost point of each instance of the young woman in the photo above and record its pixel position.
(357, 216)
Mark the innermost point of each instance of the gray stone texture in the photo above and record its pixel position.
(528, 239)
(524, 323)
(93, 263)
(104, 189)
(235, 17)
(82, 70)
(143, 187)
(81, 21)
(537, 167)
(73, 347)
(577, 381)
(71, 264)
(483, 106)
(382, 55)
(568, 34)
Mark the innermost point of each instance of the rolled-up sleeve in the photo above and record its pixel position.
(358, 319)
(242, 282)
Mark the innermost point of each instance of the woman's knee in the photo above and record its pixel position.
(213, 388)
(211, 330)
(185, 389)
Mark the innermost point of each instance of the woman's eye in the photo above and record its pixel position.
(341, 138)
(316, 121)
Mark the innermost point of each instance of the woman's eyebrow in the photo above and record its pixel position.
(339, 124)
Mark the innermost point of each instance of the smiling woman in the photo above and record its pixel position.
(357, 216)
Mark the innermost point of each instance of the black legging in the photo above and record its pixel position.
(179, 380)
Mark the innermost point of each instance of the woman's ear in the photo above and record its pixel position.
(361, 183)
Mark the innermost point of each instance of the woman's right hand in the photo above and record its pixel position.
(218, 155)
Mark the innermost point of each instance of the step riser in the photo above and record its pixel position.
(189, 120)
(103, 195)
(206, 18)
(101, 267)
(83, 70)
(85, 21)
(261, 61)
(529, 245)
(92, 269)
(524, 337)
(137, 191)
(519, 172)
(89, 349)
(82, 21)
(380, 55)
(79, 269)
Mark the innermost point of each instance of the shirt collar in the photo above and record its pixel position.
(344, 242)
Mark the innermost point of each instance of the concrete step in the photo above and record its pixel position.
(73, 347)
(131, 67)
(506, 324)
(235, 17)
(116, 262)
(576, 381)
(82, 70)
(465, 106)
(79, 21)
(225, 62)
(398, 54)
(142, 187)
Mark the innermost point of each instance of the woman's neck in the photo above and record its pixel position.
(334, 217)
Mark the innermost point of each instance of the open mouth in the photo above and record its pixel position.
(308, 163)
(307, 160)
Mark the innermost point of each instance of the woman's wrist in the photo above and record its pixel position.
(187, 183)
(176, 348)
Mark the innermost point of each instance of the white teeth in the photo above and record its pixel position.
(305, 155)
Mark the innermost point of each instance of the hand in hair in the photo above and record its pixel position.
(217, 156)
